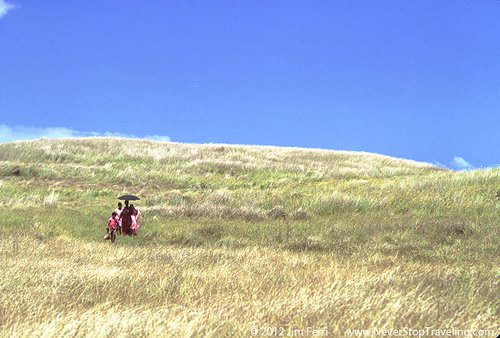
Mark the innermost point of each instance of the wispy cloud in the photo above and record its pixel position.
(5, 7)
(155, 137)
(460, 163)
(16, 133)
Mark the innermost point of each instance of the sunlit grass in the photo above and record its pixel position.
(233, 237)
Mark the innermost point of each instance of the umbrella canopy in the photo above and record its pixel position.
(129, 198)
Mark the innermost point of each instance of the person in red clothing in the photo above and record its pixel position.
(126, 217)
(112, 226)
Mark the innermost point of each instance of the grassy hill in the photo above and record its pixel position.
(235, 238)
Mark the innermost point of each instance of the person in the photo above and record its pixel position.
(136, 216)
(118, 213)
(126, 219)
(112, 226)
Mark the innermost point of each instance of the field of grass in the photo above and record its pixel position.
(240, 240)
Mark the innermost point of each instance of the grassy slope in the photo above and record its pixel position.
(240, 236)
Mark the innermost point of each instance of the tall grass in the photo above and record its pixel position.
(237, 237)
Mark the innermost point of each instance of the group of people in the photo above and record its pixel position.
(123, 221)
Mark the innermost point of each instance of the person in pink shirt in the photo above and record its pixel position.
(136, 216)
(112, 226)
(118, 213)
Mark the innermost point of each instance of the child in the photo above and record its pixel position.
(112, 226)
(118, 212)
(136, 216)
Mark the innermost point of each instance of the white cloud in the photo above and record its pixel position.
(16, 133)
(460, 163)
(28, 133)
(5, 8)
(155, 137)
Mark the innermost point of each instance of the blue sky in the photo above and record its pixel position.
(412, 79)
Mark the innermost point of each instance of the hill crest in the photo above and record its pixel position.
(221, 157)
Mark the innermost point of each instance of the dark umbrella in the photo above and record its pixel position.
(129, 198)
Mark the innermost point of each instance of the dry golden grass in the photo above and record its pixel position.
(95, 289)
(235, 238)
